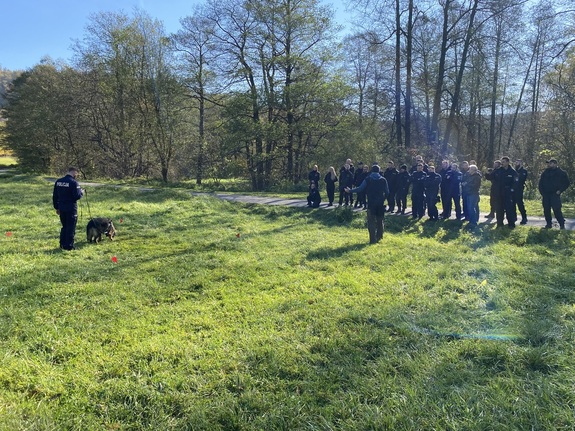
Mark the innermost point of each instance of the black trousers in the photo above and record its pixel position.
(552, 201)
(375, 223)
(505, 208)
(69, 219)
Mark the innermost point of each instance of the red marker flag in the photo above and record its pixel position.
(8, 233)
(114, 259)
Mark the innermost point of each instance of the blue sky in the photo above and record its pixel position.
(33, 29)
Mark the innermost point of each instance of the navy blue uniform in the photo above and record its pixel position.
(313, 177)
(552, 183)
(314, 198)
(519, 189)
(66, 194)
(345, 180)
(390, 174)
(455, 194)
(432, 182)
(445, 191)
(376, 190)
(505, 196)
(418, 194)
(403, 181)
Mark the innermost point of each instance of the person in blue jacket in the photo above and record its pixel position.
(431, 183)
(66, 194)
(376, 190)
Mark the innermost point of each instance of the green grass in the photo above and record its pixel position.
(295, 324)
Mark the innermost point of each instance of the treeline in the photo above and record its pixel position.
(265, 89)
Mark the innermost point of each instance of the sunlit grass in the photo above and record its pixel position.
(221, 316)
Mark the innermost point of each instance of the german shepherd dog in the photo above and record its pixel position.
(98, 226)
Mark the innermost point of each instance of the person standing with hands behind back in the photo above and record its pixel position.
(552, 183)
(66, 194)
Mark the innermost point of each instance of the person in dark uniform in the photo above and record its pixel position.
(361, 196)
(431, 183)
(445, 173)
(314, 198)
(390, 175)
(352, 170)
(464, 173)
(470, 184)
(505, 197)
(345, 180)
(314, 176)
(418, 160)
(520, 188)
(418, 192)
(403, 181)
(493, 176)
(455, 192)
(552, 183)
(330, 180)
(66, 194)
(357, 180)
(376, 189)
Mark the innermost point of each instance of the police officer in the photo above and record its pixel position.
(493, 176)
(345, 180)
(432, 182)
(445, 173)
(313, 177)
(505, 197)
(358, 178)
(390, 175)
(455, 191)
(376, 189)
(66, 193)
(403, 181)
(552, 183)
(520, 188)
(418, 192)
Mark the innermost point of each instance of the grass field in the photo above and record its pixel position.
(222, 316)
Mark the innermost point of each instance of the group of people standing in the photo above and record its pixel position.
(455, 185)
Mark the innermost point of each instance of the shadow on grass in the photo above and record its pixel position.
(326, 254)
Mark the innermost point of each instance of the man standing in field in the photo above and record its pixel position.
(507, 182)
(520, 188)
(376, 190)
(552, 183)
(66, 194)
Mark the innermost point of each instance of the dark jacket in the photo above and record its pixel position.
(418, 181)
(445, 179)
(521, 177)
(507, 180)
(455, 183)
(494, 176)
(314, 198)
(376, 189)
(66, 193)
(391, 175)
(470, 184)
(553, 180)
(431, 183)
(345, 179)
(313, 177)
(329, 183)
(403, 181)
